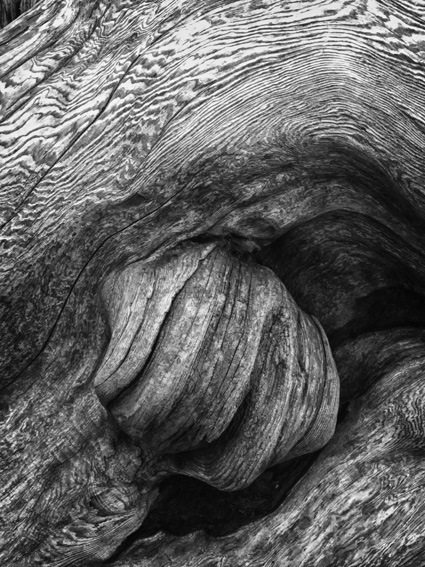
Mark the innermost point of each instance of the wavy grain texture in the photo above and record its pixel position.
(292, 132)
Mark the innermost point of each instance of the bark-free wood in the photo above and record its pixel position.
(129, 128)
(362, 501)
(213, 369)
(12, 9)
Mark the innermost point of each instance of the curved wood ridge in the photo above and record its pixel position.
(212, 366)
(357, 503)
(155, 157)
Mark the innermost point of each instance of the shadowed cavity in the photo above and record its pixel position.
(356, 276)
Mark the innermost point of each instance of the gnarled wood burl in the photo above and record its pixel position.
(212, 240)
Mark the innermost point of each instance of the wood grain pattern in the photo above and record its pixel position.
(358, 505)
(289, 132)
(12, 9)
(214, 370)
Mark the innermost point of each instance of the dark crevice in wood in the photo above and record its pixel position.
(8, 14)
(381, 310)
(10, 10)
(186, 505)
(343, 412)
(348, 250)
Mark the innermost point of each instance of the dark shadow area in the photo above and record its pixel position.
(185, 505)
(352, 272)
(8, 13)
(383, 309)
(11, 10)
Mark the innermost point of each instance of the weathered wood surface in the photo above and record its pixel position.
(12, 9)
(362, 501)
(286, 133)
(213, 369)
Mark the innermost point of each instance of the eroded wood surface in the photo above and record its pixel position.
(213, 369)
(288, 134)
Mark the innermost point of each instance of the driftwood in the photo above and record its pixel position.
(212, 337)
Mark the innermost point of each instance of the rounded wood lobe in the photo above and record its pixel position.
(213, 368)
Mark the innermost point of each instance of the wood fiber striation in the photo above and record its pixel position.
(157, 158)
(12, 9)
(214, 370)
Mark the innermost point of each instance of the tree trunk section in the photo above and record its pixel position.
(212, 300)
